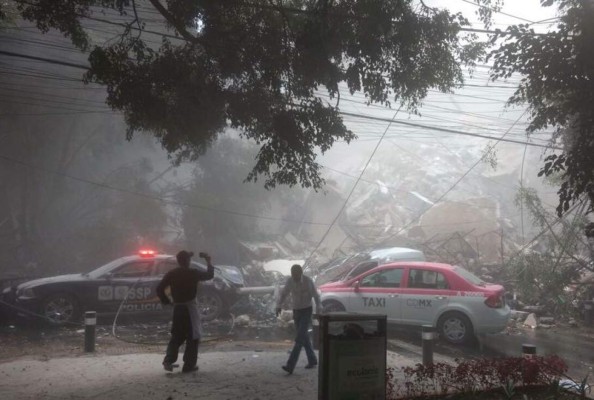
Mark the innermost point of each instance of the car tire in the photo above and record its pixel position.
(61, 308)
(455, 327)
(211, 305)
(333, 306)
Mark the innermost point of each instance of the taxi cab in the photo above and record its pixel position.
(450, 298)
(126, 285)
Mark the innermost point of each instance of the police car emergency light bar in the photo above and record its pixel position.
(147, 253)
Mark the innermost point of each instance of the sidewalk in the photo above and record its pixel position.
(246, 375)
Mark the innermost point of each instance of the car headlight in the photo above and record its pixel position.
(219, 284)
(26, 293)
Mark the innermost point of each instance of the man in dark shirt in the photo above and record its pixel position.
(183, 282)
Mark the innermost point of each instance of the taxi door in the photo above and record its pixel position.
(379, 293)
(426, 294)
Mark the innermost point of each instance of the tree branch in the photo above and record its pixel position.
(136, 19)
(178, 27)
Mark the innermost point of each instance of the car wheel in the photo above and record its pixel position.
(455, 328)
(210, 304)
(60, 308)
(333, 306)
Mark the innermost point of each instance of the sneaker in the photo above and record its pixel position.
(287, 369)
(168, 367)
(310, 366)
(191, 369)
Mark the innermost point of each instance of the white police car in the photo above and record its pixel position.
(448, 297)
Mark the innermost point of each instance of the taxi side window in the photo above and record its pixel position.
(390, 278)
(165, 266)
(133, 270)
(423, 279)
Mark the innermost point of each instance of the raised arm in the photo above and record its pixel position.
(209, 274)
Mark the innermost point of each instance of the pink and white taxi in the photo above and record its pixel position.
(450, 298)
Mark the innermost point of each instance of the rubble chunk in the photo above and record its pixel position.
(519, 315)
(533, 309)
(531, 321)
(286, 315)
(242, 320)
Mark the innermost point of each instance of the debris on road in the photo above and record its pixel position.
(531, 321)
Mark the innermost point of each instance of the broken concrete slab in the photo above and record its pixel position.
(534, 309)
(531, 321)
(242, 320)
(519, 315)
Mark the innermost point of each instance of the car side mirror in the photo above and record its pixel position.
(356, 286)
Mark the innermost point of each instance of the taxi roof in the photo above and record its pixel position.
(424, 264)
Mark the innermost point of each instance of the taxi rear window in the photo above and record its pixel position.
(469, 276)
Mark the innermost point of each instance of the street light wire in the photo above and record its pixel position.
(353, 188)
(450, 188)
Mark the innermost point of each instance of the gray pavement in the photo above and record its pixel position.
(247, 375)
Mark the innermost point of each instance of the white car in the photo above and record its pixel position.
(447, 297)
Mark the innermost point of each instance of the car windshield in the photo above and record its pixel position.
(96, 273)
(469, 276)
(336, 273)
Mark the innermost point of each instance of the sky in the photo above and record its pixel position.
(520, 11)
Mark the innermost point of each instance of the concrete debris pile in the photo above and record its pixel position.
(255, 311)
(530, 320)
(285, 319)
(256, 275)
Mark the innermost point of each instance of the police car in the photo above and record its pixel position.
(448, 297)
(127, 285)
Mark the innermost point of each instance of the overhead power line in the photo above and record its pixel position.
(399, 122)
(344, 204)
(44, 59)
(418, 217)
(151, 197)
(434, 128)
(273, 7)
(497, 11)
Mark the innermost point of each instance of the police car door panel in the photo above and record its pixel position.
(87, 294)
(378, 293)
(424, 297)
(130, 287)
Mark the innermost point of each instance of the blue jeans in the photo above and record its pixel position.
(302, 319)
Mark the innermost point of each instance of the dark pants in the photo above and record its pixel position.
(181, 331)
(302, 319)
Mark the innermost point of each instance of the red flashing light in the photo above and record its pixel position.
(147, 253)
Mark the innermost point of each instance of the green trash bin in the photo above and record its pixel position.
(352, 356)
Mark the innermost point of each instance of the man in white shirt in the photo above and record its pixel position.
(302, 289)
